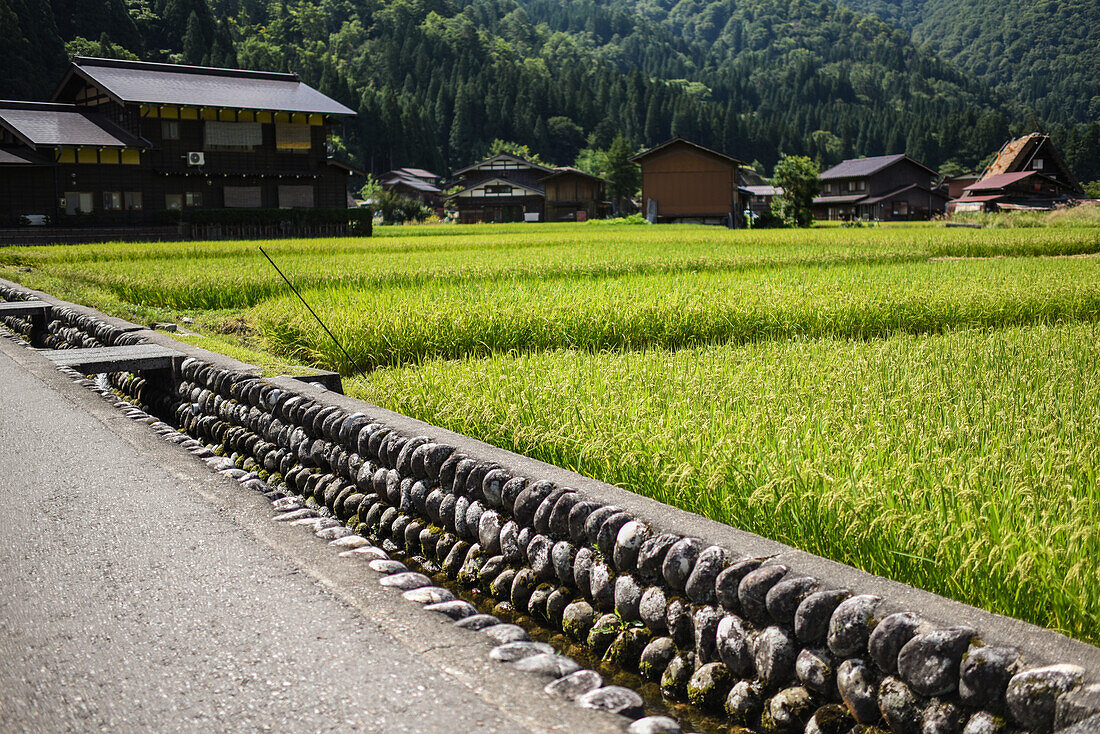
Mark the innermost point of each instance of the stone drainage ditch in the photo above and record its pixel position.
(599, 591)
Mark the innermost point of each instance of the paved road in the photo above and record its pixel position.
(139, 591)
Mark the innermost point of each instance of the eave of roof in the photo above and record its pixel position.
(565, 170)
(199, 86)
(46, 124)
(902, 190)
(491, 181)
(764, 190)
(702, 148)
(21, 158)
(847, 199)
(990, 197)
(412, 183)
(346, 165)
(501, 156)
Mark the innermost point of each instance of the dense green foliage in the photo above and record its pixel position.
(918, 401)
(436, 81)
(1043, 55)
(797, 176)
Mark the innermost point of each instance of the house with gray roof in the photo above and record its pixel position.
(127, 143)
(880, 188)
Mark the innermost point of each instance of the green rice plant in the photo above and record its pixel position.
(965, 462)
(407, 324)
(208, 276)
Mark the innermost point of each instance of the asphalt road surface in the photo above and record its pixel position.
(139, 591)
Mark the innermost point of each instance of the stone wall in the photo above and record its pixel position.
(746, 631)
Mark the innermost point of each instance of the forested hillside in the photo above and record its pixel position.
(1044, 55)
(435, 81)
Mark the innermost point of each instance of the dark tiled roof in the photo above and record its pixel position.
(412, 183)
(866, 166)
(764, 190)
(860, 166)
(684, 141)
(44, 124)
(999, 181)
(501, 157)
(417, 172)
(198, 86)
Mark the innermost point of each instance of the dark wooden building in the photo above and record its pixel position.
(683, 181)
(128, 143)
(416, 184)
(575, 196)
(503, 188)
(884, 188)
(1027, 173)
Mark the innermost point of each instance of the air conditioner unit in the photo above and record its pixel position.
(196, 158)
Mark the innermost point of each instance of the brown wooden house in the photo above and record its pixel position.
(128, 143)
(880, 188)
(683, 181)
(575, 196)
(416, 184)
(1027, 173)
(503, 188)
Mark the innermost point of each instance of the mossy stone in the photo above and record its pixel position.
(626, 650)
(709, 686)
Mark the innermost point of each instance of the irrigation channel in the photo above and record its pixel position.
(765, 638)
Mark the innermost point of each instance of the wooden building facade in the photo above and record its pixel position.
(575, 196)
(128, 143)
(1027, 173)
(416, 184)
(503, 188)
(885, 188)
(683, 181)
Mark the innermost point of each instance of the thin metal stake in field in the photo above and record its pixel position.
(351, 361)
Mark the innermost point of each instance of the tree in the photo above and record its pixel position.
(499, 146)
(797, 176)
(624, 176)
(1092, 189)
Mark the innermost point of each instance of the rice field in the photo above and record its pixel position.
(919, 402)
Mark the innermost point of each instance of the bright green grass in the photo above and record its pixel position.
(965, 462)
(206, 276)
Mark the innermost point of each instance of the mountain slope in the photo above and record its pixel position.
(1043, 55)
(435, 81)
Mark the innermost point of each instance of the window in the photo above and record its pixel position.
(233, 136)
(132, 199)
(173, 202)
(78, 202)
(170, 129)
(901, 208)
(1037, 164)
(294, 138)
(296, 197)
(112, 200)
(192, 198)
(498, 190)
(243, 197)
